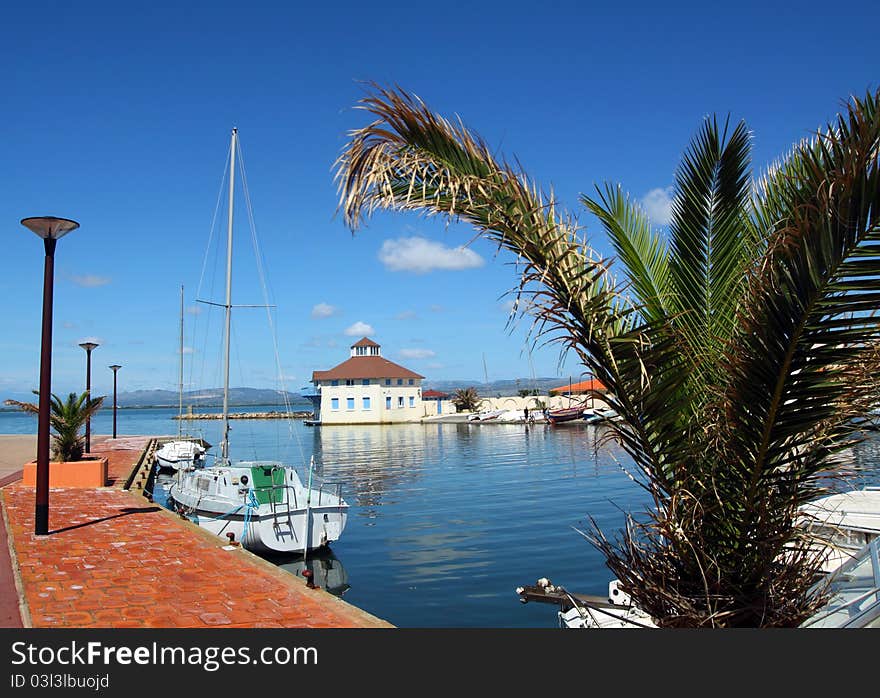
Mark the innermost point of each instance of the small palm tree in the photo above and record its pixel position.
(67, 418)
(466, 399)
(740, 349)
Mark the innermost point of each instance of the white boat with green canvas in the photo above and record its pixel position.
(263, 505)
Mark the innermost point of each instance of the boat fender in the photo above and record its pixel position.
(244, 479)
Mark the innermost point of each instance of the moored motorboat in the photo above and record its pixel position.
(181, 453)
(842, 524)
(485, 416)
(853, 593)
(599, 414)
(843, 530)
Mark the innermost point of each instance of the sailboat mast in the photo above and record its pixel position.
(224, 444)
(180, 382)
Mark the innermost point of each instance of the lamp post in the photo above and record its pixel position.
(114, 368)
(50, 229)
(88, 346)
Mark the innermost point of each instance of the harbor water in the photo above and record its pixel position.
(446, 520)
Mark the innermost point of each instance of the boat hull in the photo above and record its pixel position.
(565, 415)
(278, 534)
(263, 506)
(176, 455)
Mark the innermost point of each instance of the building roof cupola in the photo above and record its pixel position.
(365, 347)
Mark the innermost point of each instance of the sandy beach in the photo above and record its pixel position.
(15, 451)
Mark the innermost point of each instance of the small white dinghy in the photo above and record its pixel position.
(175, 455)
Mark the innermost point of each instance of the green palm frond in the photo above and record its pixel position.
(642, 249)
(811, 317)
(66, 417)
(709, 249)
(743, 353)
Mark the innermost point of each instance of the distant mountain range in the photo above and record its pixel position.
(204, 398)
(499, 388)
(239, 397)
(257, 396)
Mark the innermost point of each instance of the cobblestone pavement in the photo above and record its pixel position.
(113, 559)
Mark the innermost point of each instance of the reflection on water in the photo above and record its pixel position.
(446, 520)
(327, 570)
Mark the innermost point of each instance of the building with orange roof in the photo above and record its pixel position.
(367, 388)
(589, 387)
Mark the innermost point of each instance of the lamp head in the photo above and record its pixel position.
(88, 346)
(49, 227)
(115, 367)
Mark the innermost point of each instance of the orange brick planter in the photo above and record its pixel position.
(91, 472)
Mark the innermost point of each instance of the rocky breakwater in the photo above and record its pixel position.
(248, 415)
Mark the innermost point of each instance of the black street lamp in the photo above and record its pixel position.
(50, 229)
(88, 346)
(114, 368)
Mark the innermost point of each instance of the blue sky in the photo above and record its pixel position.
(118, 115)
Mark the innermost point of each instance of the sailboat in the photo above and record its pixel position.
(263, 505)
(181, 453)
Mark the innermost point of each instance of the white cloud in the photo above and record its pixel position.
(406, 315)
(437, 308)
(194, 310)
(420, 256)
(658, 205)
(417, 354)
(188, 350)
(360, 329)
(90, 280)
(323, 310)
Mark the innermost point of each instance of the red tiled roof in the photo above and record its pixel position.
(365, 367)
(365, 342)
(435, 394)
(581, 387)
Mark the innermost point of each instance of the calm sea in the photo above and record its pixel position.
(446, 520)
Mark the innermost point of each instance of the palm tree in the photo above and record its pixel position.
(466, 399)
(67, 418)
(740, 349)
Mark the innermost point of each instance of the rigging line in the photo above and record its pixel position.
(212, 230)
(214, 220)
(261, 272)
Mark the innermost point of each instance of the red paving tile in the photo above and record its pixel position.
(113, 559)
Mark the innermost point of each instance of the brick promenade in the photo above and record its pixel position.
(113, 559)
